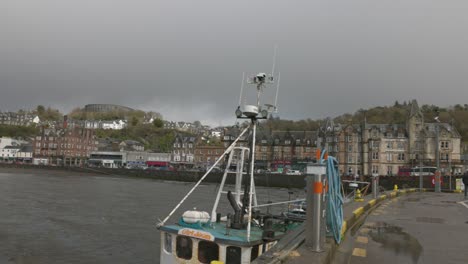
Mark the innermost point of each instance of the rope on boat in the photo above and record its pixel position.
(335, 199)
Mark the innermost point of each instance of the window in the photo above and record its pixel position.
(264, 141)
(330, 148)
(264, 149)
(287, 142)
(389, 156)
(359, 158)
(168, 242)
(400, 145)
(375, 169)
(349, 138)
(444, 144)
(389, 171)
(350, 159)
(298, 141)
(233, 255)
(329, 139)
(207, 251)
(350, 148)
(254, 252)
(336, 139)
(401, 157)
(375, 155)
(184, 247)
(389, 145)
(276, 148)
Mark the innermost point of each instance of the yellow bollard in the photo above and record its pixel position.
(358, 197)
(395, 187)
(216, 262)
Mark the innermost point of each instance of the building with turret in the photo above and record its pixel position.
(382, 149)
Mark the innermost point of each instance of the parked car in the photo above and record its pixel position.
(294, 172)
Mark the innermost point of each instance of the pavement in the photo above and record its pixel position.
(398, 227)
(422, 227)
(352, 212)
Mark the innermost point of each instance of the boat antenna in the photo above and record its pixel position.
(274, 61)
(277, 90)
(242, 88)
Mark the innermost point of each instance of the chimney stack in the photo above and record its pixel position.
(65, 121)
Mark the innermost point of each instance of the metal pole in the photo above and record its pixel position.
(375, 186)
(421, 183)
(314, 236)
(450, 172)
(252, 163)
(437, 175)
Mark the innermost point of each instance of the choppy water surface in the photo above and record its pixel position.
(87, 219)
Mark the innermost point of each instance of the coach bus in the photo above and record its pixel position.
(416, 171)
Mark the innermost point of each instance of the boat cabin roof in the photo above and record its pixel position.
(217, 232)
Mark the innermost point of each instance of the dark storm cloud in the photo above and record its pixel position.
(185, 59)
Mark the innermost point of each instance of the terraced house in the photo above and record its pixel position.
(277, 150)
(382, 149)
(65, 146)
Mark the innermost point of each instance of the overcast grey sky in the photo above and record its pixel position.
(185, 59)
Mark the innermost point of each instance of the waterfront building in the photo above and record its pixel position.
(107, 159)
(278, 150)
(25, 154)
(206, 154)
(382, 149)
(183, 151)
(64, 146)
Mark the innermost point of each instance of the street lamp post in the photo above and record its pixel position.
(437, 175)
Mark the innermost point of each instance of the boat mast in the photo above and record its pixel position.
(252, 163)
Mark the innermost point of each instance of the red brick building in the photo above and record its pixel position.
(206, 155)
(65, 146)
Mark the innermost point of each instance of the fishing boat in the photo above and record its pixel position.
(246, 232)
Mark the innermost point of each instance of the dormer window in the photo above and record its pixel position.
(287, 142)
(298, 141)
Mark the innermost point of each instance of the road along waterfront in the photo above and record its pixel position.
(65, 218)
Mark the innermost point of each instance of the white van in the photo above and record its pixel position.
(294, 172)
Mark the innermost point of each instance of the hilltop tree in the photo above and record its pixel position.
(159, 123)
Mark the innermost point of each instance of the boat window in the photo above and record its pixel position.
(168, 242)
(233, 255)
(184, 247)
(207, 251)
(254, 252)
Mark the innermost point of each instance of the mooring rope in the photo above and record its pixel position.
(335, 198)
